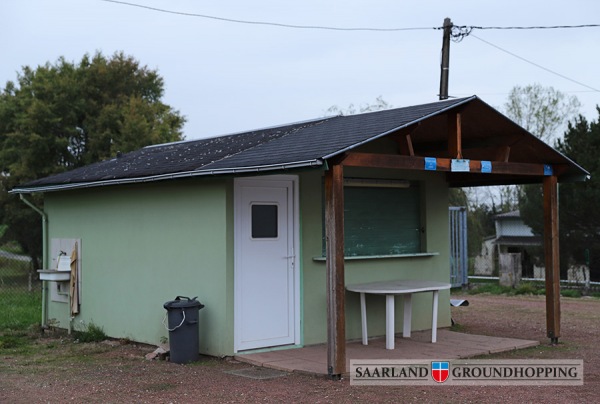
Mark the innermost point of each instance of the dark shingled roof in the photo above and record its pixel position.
(519, 240)
(302, 144)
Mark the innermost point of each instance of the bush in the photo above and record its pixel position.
(90, 333)
(529, 289)
(491, 288)
(570, 293)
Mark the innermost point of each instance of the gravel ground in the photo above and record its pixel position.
(57, 370)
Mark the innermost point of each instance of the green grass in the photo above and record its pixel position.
(13, 341)
(42, 355)
(570, 293)
(530, 288)
(525, 288)
(491, 288)
(20, 309)
(457, 327)
(20, 341)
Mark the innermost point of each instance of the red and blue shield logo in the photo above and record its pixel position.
(440, 371)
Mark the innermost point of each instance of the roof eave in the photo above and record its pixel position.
(161, 177)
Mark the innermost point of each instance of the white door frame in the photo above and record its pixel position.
(238, 217)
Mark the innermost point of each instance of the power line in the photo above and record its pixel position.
(535, 64)
(273, 24)
(458, 33)
(466, 28)
(539, 27)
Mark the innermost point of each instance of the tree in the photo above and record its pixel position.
(65, 115)
(543, 111)
(579, 213)
(480, 225)
(480, 217)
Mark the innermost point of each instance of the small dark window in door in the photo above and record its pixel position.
(264, 221)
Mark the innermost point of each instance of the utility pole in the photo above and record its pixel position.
(445, 66)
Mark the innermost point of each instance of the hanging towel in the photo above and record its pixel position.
(74, 290)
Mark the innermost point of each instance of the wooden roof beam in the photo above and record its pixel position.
(404, 139)
(400, 162)
(409, 147)
(455, 135)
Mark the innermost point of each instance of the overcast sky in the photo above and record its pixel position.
(227, 77)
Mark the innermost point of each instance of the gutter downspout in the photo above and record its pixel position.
(44, 254)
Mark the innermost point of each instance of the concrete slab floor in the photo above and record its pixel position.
(450, 345)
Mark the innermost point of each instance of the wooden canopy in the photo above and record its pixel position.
(475, 146)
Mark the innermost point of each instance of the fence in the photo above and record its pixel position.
(458, 246)
(20, 292)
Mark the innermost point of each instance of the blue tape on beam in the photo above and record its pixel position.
(430, 163)
(486, 166)
(548, 169)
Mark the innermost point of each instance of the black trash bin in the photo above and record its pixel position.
(182, 325)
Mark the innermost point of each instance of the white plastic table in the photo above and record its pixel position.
(390, 289)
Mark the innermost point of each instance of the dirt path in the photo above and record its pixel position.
(56, 371)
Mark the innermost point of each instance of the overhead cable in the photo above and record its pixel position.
(542, 27)
(274, 24)
(459, 32)
(463, 28)
(535, 64)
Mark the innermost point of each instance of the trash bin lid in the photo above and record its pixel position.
(182, 302)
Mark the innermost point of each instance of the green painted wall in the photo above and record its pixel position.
(143, 245)
(435, 199)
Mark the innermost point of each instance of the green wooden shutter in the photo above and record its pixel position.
(381, 221)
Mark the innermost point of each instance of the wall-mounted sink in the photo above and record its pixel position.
(54, 275)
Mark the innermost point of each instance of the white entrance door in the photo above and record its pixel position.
(265, 276)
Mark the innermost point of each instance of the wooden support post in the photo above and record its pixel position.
(552, 258)
(455, 136)
(336, 288)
